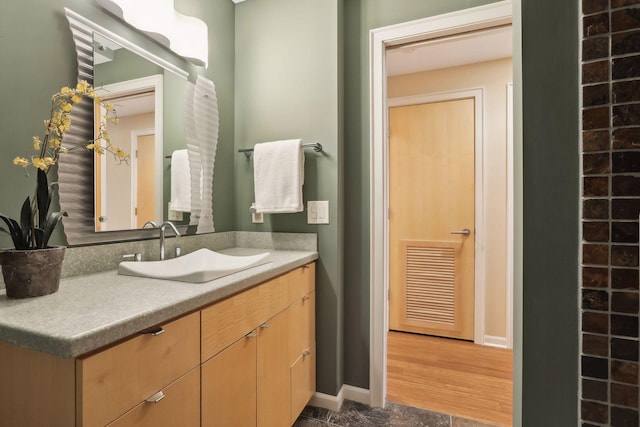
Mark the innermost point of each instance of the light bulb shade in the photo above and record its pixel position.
(185, 35)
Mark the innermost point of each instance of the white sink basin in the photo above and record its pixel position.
(200, 266)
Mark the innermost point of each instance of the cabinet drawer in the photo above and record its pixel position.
(111, 382)
(301, 281)
(302, 331)
(180, 406)
(303, 381)
(226, 321)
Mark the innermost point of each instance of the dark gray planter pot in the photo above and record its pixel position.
(33, 272)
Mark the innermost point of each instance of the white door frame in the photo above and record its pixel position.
(492, 15)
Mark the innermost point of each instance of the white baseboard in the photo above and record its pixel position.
(334, 403)
(327, 401)
(491, 341)
(356, 394)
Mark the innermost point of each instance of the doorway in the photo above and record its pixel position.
(485, 17)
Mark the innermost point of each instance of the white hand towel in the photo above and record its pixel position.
(278, 176)
(180, 182)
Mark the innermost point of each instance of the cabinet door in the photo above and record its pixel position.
(302, 327)
(302, 353)
(229, 386)
(178, 406)
(36, 389)
(303, 381)
(274, 387)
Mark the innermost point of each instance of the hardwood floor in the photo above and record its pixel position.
(450, 376)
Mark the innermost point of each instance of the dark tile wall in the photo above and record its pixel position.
(611, 208)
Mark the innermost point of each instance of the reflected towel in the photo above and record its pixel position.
(278, 176)
(180, 182)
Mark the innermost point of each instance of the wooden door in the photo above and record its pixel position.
(146, 200)
(229, 385)
(432, 193)
(274, 383)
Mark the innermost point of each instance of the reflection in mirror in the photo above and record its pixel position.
(80, 194)
(127, 197)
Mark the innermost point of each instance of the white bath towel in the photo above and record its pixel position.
(278, 176)
(180, 182)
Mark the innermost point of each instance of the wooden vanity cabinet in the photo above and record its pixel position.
(248, 360)
(259, 374)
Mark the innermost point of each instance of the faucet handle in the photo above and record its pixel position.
(137, 257)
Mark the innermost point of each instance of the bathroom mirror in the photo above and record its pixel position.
(115, 66)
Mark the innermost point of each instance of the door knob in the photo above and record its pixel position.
(464, 231)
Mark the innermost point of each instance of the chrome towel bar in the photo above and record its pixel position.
(317, 147)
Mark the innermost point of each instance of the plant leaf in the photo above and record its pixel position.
(42, 194)
(26, 220)
(15, 232)
(52, 187)
(52, 220)
(39, 236)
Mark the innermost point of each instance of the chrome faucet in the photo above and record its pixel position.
(151, 223)
(163, 227)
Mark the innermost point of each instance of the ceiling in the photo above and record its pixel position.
(480, 46)
(134, 104)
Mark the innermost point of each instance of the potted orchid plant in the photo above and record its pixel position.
(32, 267)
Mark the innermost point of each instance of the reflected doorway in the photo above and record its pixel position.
(127, 196)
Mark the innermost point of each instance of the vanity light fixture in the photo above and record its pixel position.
(185, 35)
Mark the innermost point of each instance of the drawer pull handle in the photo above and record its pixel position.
(156, 397)
(156, 332)
(265, 325)
(306, 353)
(251, 334)
(306, 266)
(306, 298)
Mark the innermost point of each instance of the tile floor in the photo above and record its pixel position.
(353, 414)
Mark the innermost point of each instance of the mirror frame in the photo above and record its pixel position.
(76, 168)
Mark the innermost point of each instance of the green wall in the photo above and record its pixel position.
(39, 58)
(550, 95)
(288, 86)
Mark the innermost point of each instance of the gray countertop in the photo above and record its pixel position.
(92, 311)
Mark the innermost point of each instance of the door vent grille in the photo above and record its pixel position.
(430, 279)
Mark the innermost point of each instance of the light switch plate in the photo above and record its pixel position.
(318, 212)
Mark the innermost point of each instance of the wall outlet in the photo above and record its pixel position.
(318, 212)
(257, 218)
(175, 215)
